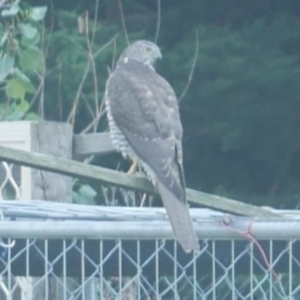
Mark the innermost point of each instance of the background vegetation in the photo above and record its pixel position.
(239, 96)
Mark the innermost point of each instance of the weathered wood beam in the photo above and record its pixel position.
(74, 168)
(92, 143)
(49, 185)
(106, 176)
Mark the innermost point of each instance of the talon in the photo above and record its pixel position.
(133, 167)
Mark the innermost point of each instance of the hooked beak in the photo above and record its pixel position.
(159, 55)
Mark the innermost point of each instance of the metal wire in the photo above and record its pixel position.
(56, 259)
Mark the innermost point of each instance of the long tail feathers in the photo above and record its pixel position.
(180, 219)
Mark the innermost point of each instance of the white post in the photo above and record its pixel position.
(25, 183)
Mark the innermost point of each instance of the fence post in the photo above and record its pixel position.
(55, 139)
(51, 138)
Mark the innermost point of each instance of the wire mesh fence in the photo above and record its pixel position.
(74, 273)
(67, 251)
(10, 181)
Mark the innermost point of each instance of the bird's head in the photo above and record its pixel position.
(143, 51)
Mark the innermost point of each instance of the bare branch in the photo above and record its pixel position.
(123, 21)
(112, 40)
(33, 99)
(192, 69)
(92, 62)
(89, 108)
(115, 54)
(42, 97)
(71, 116)
(158, 20)
(94, 122)
(95, 21)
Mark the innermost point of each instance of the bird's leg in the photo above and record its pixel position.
(133, 167)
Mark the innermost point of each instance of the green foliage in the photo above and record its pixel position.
(37, 13)
(16, 88)
(241, 112)
(20, 57)
(31, 60)
(85, 194)
(6, 65)
(81, 68)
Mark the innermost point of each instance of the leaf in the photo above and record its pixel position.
(4, 110)
(23, 106)
(28, 30)
(4, 38)
(38, 13)
(31, 59)
(12, 10)
(16, 88)
(32, 116)
(20, 74)
(87, 191)
(6, 66)
(30, 43)
(16, 115)
(79, 199)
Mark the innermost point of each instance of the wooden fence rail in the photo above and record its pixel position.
(92, 143)
(111, 177)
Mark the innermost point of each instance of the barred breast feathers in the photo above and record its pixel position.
(121, 144)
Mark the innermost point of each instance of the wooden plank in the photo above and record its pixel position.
(111, 177)
(74, 168)
(92, 143)
(52, 138)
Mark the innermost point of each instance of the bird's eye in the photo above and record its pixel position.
(146, 49)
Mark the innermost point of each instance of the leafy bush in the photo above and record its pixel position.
(21, 58)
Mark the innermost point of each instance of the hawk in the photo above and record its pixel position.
(145, 125)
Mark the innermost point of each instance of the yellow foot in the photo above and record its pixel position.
(133, 167)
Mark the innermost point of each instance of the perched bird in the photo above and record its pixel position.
(144, 123)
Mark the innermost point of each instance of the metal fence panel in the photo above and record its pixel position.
(74, 269)
(62, 251)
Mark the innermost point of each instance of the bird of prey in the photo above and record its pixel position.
(145, 125)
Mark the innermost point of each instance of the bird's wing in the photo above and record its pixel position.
(144, 108)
